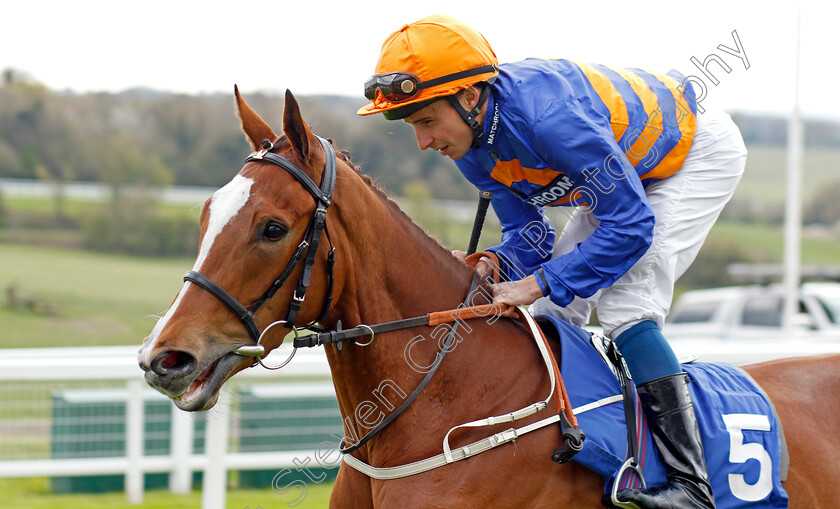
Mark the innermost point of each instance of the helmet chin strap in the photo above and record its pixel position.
(470, 116)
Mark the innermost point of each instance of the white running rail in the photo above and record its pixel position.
(115, 370)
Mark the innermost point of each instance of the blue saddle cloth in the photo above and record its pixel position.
(741, 434)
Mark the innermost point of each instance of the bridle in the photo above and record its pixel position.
(311, 239)
(309, 245)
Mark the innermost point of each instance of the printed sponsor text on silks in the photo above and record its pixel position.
(577, 146)
(555, 190)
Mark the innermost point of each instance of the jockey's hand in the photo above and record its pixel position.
(482, 266)
(516, 293)
(461, 255)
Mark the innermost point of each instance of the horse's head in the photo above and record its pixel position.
(264, 220)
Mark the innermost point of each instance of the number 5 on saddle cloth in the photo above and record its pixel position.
(742, 437)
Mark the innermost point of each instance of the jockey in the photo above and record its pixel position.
(647, 176)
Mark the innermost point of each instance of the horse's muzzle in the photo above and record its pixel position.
(192, 385)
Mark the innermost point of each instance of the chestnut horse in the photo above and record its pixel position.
(386, 268)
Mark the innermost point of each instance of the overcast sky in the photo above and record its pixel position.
(331, 46)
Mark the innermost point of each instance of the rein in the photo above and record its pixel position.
(422, 385)
(573, 437)
(322, 194)
(565, 417)
(429, 320)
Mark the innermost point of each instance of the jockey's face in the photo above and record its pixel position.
(440, 127)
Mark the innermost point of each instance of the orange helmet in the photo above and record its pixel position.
(424, 61)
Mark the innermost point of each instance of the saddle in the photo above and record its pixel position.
(742, 435)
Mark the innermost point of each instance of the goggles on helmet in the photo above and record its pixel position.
(401, 86)
(395, 86)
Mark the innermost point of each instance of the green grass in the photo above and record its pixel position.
(47, 205)
(765, 174)
(454, 234)
(79, 208)
(83, 298)
(35, 494)
(767, 239)
(87, 298)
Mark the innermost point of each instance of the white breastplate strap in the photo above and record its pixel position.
(448, 455)
(440, 460)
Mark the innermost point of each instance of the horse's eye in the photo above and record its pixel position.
(273, 232)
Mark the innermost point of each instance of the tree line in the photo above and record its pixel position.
(145, 137)
(148, 138)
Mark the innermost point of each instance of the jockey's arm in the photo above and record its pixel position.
(570, 142)
(610, 186)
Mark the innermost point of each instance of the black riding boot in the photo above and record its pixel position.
(667, 404)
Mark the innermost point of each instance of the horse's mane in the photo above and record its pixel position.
(380, 192)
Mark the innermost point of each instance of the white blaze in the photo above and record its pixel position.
(224, 206)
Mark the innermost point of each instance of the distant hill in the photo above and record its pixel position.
(195, 140)
(759, 129)
(764, 179)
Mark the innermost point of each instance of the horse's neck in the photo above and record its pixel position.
(393, 269)
(390, 270)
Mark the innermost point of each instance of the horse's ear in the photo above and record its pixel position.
(296, 130)
(254, 127)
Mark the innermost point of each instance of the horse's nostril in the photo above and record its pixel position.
(173, 363)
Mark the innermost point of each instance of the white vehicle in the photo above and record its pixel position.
(754, 313)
